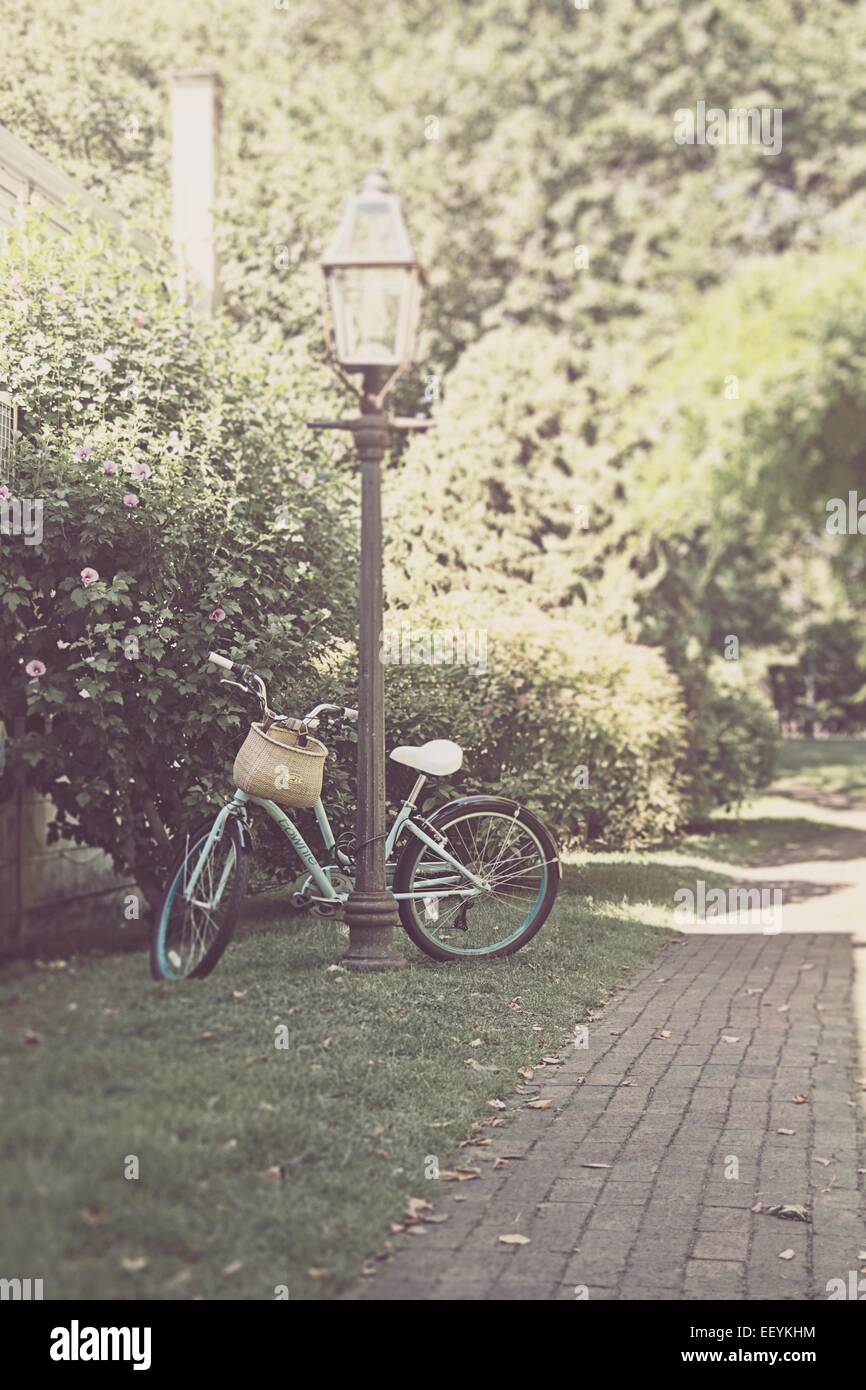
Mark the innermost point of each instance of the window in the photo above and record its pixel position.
(8, 426)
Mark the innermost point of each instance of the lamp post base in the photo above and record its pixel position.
(372, 919)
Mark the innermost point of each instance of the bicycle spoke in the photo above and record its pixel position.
(194, 923)
(499, 851)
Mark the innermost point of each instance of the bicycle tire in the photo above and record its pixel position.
(229, 914)
(448, 815)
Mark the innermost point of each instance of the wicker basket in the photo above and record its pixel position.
(273, 766)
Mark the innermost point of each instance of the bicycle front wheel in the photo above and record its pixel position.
(513, 858)
(201, 905)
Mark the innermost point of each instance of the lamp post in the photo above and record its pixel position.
(372, 307)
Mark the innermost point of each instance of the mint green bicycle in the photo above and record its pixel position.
(478, 877)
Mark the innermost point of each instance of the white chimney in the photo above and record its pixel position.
(195, 118)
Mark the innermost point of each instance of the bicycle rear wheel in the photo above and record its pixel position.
(194, 929)
(509, 850)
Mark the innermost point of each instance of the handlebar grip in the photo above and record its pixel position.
(222, 661)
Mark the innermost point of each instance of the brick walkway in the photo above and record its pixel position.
(661, 1220)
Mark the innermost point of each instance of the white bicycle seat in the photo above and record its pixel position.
(437, 758)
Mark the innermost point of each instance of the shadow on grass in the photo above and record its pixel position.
(852, 800)
(771, 841)
(609, 884)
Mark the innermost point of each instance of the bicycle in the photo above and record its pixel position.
(476, 878)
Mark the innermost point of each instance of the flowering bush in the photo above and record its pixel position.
(185, 508)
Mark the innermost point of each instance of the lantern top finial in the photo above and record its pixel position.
(376, 180)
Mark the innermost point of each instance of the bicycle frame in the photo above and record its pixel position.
(438, 887)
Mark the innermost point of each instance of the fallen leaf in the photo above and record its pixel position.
(596, 1165)
(526, 1072)
(474, 1065)
(538, 1104)
(94, 1216)
(459, 1174)
(807, 966)
(825, 1162)
(274, 1174)
(728, 1038)
(665, 1033)
(616, 1032)
(32, 1039)
(134, 1263)
(552, 1061)
(784, 1210)
(418, 1230)
(783, 1008)
(786, 1254)
(415, 1206)
(239, 994)
(235, 1267)
(314, 1273)
(476, 1042)
(800, 1100)
(786, 1131)
(497, 1104)
(513, 1240)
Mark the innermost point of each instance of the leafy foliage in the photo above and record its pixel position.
(182, 511)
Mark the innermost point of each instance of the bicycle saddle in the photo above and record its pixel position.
(437, 758)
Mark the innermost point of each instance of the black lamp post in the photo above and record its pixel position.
(373, 307)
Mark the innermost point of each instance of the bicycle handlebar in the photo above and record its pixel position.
(248, 680)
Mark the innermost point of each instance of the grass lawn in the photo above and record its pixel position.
(258, 1164)
(824, 765)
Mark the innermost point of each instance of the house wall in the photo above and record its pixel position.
(47, 887)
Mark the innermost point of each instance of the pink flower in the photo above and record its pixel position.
(140, 472)
(109, 467)
(139, 320)
(84, 453)
(35, 669)
(88, 576)
(218, 615)
(130, 499)
(4, 491)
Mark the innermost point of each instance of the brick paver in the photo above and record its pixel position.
(687, 1127)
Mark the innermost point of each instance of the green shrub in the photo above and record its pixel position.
(587, 730)
(733, 742)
